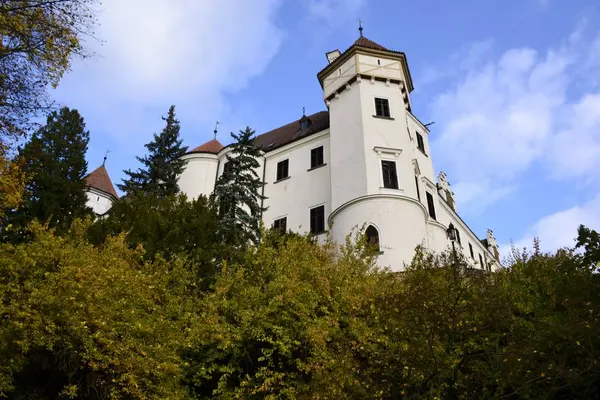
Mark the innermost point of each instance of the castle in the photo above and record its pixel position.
(364, 163)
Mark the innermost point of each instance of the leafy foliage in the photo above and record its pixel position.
(165, 227)
(83, 322)
(54, 159)
(38, 39)
(589, 239)
(162, 166)
(238, 192)
(12, 181)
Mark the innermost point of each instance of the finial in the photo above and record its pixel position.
(216, 129)
(105, 157)
(360, 27)
(303, 111)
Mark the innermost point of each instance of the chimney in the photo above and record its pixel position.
(493, 245)
(444, 190)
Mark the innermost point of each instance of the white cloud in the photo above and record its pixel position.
(159, 52)
(560, 229)
(524, 108)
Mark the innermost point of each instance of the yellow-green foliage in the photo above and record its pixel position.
(90, 323)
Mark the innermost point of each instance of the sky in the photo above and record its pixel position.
(513, 87)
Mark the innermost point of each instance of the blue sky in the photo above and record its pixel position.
(513, 87)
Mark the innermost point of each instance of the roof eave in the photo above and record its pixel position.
(354, 49)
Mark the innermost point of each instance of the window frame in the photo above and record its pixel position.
(377, 235)
(431, 206)
(420, 142)
(281, 163)
(322, 151)
(481, 261)
(314, 228)
(418, 188)
(383, 174)
(471, 251)
(385, 106)
(277, 221)
(227, 166)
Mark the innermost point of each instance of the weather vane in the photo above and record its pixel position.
(360, 26)
(216, 129)
(303, 111)
(105, 156)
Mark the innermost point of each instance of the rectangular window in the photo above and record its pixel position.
(420, 142)
(283, 169)
(481, 261)
(227, 167)
(390, 178)
(458, 237)
(316, 157)
(317, 220)
(417, 185)
(471, 251)
(280, 224)
(430, 205)
(382, 107)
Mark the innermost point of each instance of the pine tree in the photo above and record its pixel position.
(162, 166)
(238, 193)
(54, 160)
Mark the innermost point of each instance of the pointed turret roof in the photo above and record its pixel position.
(212, 146)
(364, 42)
(99, 179)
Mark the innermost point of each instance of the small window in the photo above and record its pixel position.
(390, 178)
(481, 261)
(458, 237)
(430, 206)
(417, 185)
(316, 157)
(471, 251)
(382, 107)
(283, 169)
(372, 235)
(378, 62)
(317, 220)
(280, 224)
(420, 143)
(227, 167)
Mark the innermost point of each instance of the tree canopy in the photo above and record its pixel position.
(38, 39)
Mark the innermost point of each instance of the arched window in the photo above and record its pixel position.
(373, 236)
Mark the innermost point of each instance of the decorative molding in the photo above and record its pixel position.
(347, 86)
(387, 150)
(359, 79)
(387, 82)
(377, 196)
(337, 95)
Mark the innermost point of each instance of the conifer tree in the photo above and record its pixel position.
(162, 166)
(238, 192)
(54, 160)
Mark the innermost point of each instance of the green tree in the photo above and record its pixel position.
(589, 239)
(54, 159)
(80, 321)
(162, 166)
(238, 192)
(38, 38)
(168, 227)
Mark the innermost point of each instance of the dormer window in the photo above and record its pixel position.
(305, 123)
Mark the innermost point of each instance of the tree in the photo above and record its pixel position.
(238, 192)
(589, 239)
(55, 160)
(12, 182)
(84, 322)
(171, 227)
(162, 166)
(38, 38)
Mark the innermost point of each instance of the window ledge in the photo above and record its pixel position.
(392, 189)
(383, 117)
(317, 167)
(282, 179)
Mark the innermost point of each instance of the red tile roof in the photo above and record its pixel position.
(212, 146)
(99, 179)
(364, 42)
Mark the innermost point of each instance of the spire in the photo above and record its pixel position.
(105, 157)
(216, 130)
(360, 27)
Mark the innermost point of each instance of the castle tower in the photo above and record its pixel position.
(375, 170)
